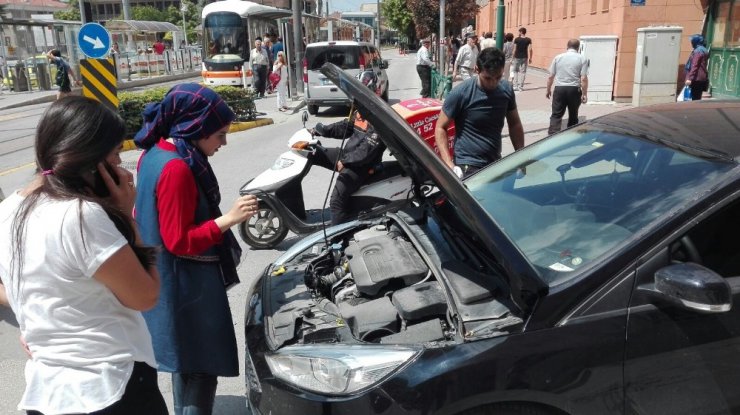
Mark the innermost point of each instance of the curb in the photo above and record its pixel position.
(235, 128)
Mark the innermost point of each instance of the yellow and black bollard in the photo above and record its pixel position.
(99, 81)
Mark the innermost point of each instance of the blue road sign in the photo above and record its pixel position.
(94, 40)
(637, 2)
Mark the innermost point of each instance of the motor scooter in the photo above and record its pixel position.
(279, 191)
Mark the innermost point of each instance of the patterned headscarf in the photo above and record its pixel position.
(191, 112)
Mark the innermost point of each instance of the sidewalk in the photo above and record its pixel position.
(535, 109)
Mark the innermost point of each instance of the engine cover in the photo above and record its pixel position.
(376, 261)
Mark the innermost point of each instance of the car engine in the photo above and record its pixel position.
(372, 286)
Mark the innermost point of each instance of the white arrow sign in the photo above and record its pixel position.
(97, 43)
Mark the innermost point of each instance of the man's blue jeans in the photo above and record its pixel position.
(193, 393)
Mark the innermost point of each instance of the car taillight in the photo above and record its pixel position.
(305, 70)
(362, 62)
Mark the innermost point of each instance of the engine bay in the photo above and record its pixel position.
(373, 285)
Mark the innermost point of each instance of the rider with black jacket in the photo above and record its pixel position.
(361, 156)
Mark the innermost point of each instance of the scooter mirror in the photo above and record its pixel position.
(304, 117)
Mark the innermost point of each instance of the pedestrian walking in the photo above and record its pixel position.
(75, 272)
(259, 60)
(522, 58)
(177, 209)
(479, 107)
(697, 77)
(281, 69)
(424, 67)
(455, 46)
(488, 41)
(278, 47)
(569, 74)
(2, 74)
(64, 72)
(508, 49)
(466, 58)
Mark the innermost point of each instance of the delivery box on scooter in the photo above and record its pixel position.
(422, 114)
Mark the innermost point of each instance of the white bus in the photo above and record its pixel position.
(230, 28)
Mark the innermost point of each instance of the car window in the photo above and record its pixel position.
(345, 57)
(567, 202)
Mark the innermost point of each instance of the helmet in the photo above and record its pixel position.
(369, 79)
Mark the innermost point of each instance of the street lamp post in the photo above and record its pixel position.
(183, 9)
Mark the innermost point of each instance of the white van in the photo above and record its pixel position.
(353, 57)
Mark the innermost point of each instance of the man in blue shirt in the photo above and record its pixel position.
(479, 106)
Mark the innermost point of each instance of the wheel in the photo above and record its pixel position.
(312, 109)
(385, 93)
(264, 230)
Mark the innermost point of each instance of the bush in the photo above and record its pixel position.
(132, 104)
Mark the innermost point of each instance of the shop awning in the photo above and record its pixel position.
(140, 26)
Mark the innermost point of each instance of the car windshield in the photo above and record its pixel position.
(345, 57)
(568, 201)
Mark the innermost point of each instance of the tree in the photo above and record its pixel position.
(148, 13)
(72, 12)
(397, 16)
(426, 14)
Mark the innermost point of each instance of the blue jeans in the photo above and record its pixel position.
(193, 393)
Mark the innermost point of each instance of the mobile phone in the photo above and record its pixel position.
(99, 187)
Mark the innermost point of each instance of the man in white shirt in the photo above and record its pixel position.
(488, 41)
(424, 67)
(259, 60)
(569, 73)
(466, 57)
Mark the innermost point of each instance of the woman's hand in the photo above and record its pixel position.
(122, 194)
(244, 207)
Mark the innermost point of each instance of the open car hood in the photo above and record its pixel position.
(421, 163)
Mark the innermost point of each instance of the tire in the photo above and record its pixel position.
(312, 109)
(385, 93)
(264, 230)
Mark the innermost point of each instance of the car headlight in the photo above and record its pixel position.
(338, 370)
(282, 163)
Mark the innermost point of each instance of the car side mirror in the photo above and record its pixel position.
(691, 287)
(384, 64)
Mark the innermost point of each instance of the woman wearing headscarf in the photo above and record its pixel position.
(177, 209)
(697, 77)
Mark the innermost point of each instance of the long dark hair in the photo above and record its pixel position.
(74, 135)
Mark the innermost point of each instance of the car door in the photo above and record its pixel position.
(680, 361)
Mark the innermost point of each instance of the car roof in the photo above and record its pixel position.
(339, 43)
(709, 125)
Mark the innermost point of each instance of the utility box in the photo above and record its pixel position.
(601, 52)
(656, 65)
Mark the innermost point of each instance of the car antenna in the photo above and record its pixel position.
(334, 171)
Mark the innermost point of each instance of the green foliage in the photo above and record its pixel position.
(71, 13)
(398, 16)
(426, 14)
(148, 13)
(132, 104)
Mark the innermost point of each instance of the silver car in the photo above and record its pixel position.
(353, 58)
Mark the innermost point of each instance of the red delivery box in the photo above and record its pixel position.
(422, 114)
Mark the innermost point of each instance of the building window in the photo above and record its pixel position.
(565, 9)
(552, 4)
(116, 9)
(544, 11)
(719, 28)
(594, 6)
(534, 12)
(734, 40)
(573, 8)
(101, 9)
(605, 7)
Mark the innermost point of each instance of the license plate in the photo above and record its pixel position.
(326, 81)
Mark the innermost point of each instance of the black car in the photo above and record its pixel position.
(592, 272)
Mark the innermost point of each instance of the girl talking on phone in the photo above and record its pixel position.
(76, 274)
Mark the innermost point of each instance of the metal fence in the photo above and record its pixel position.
(441, 85)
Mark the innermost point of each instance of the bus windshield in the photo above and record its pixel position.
(225, 39)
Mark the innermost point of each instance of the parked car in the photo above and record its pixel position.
(353, 58)
(592, 272)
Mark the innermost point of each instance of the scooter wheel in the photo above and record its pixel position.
(264, 230)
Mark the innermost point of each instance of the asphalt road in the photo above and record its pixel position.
(247, 154)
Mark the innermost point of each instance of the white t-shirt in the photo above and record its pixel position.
(84, 342)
